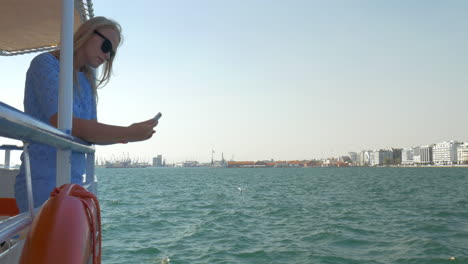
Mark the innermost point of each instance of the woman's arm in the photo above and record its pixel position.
(103, 134)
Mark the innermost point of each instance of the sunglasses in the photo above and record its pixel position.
(106, 45)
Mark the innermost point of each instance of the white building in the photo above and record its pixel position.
(407, 156)
(462, 153)
(353, 157)
(417, 155)
(445, 153)
(364, 158)
(372, 160)
(426, 154)
(382, 157)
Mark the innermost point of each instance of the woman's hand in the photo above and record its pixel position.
(141, 131)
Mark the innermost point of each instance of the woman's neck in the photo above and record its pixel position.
(78, 64)
(78, 60)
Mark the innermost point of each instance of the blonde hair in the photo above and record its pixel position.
(81, 36)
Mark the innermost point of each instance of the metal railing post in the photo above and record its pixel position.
(90, 174)
(29, 190)
(7, 159)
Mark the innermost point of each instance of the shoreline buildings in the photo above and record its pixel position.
(440, 154)
(447, 153)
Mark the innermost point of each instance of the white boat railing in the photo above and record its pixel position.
(15, 124)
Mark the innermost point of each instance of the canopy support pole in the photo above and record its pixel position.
(65, 104)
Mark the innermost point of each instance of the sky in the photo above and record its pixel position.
(283, 80)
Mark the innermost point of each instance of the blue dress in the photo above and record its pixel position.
(41, 102)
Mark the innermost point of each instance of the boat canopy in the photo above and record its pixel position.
(34, 25)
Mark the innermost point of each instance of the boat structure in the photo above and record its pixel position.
(66, 228)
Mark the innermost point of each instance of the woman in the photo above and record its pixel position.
(95, 44)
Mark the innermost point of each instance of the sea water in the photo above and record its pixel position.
(284, 215)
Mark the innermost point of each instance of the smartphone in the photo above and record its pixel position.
(156, 117)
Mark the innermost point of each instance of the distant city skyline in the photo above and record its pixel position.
(280, 80)
(448, 153)
(221, 156)
(127, 156)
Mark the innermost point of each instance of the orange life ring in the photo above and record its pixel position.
(66, 229)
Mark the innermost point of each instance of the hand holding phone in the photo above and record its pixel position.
(156, 117)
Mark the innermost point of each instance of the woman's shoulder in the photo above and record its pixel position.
(45, 59)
